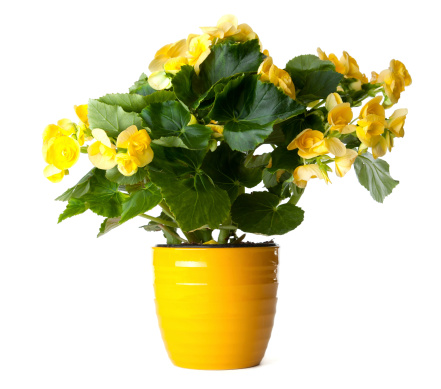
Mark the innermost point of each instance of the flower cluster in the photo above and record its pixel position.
(187, 137)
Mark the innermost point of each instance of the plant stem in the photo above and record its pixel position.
(159, 221)
(225, 232)
(318, 104)
(172, 233)
(191, 237)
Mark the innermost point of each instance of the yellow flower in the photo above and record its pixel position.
(226, 26)
(137, 142)
(159, 80)
(346, 65)
(369, 128)
(172, 50)
(173, 65)
(126, 164)
(351, 69)
(245, 33)
(335, 146)
(343, 164)
(372, 107)
(379, 146)
(67, 126)
(339, 67)
(54, 174)
(198, 50)
(332, 100)
(304, 173)
(54, 131)
(82, 113)
(310, 143)
(217, 128)
(62, 152)
(396, 122)
(278, 77)
(339, 118)
(102, 152)
(394, 80)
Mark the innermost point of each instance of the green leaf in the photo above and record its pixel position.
(170, 119)
(294, 126)
(318, 85)
(248, 108)
(260, 213)
(142, 87)
(115, 176)
(282, 158)
(374, 175)
(300, 67)
(127, 101)
(108, 225)
(227, 59)
(111, 118)
(227, 170)
(81, 188)
(183, 86)
(190, 194)
(104, 198)
(160, 96)
(74, 207)
(140, 202)
(154, 226)
(253, 161)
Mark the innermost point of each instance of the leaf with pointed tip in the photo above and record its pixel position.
(108, 225)
(318, 85)
(260, 213)
(74, 207)
(111, 118)
(81, 188)
(300, 67)
(142, 87)
(374, 175)
(140, 202)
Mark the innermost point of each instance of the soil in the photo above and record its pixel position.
(269, 243)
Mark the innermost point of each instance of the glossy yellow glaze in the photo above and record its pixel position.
(215, 306)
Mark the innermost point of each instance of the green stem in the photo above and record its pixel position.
(172, 233)
(225, 232)
(191, 237)
(318, 104)
(159, 221)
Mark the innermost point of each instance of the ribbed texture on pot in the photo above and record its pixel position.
(216, 306)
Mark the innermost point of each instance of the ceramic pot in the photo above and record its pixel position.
(216, 304)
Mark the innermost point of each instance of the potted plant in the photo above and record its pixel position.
(223, 140)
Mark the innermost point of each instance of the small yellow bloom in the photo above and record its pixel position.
(126, 164)
(396, 122)
(339, 118)
(346, 65)
(226, 26)
(54, 174)
(53, 131)
(245, 33)
(335, 146)
(193, 120)
(159, 80)
(172, 50)
(343, 164)
(102, 152)
(211, 242)
(82, 113)
(369, 128)
(304, 173)
(373, 107)
(394, 80)
(68, 126)
(137, 142)
(279, 77)
(217, 128)
(310, 143)
(198, 50)
(173, 65)
(62, 152)
(332, 100)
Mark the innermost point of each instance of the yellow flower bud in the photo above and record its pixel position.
(62, 152)
(302, 174)
(193, 120)
(343, 164)
(332, 100)
(219, 129)
(310, 143)
(198, 50)
(126, 164)
(102, 152)
(159, 80)
(394, 80)
(137, 144)
(379, 147)
(82, 113)
(396, 122)
(339, 118)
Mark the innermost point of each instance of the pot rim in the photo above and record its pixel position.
(204, 246)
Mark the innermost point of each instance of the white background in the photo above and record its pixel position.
(360, 282)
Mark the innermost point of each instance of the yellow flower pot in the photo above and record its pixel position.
(216, 305)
